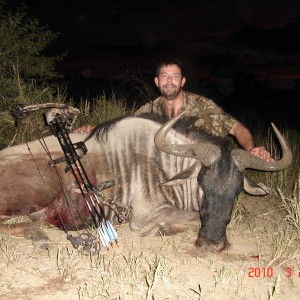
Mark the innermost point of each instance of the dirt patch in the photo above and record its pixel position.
(160, 267)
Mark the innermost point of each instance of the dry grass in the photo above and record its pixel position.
(102, 109)
(151, 268)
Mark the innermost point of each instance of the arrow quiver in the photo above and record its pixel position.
(61, 118)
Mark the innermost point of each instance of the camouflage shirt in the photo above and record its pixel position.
(205, 113)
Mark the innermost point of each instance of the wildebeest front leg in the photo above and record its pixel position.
(172, 229)
(166, 221)
(28, 230)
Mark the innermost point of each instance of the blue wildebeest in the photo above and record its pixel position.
(176, 180)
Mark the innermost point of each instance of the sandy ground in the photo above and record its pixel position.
(256, 265)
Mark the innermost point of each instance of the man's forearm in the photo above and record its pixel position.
(243, 136)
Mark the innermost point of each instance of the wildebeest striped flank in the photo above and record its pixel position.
(165, 178)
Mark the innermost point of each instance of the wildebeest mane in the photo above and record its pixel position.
(183, 126)
(100, 132)
(203, 136)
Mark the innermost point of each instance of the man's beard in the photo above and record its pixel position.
(170, 91)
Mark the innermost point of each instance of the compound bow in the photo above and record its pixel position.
(61, 118)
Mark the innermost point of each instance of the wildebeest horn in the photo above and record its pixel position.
(245, 160)
(204, 152)
(207, 152)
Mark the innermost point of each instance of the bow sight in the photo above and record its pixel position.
(61, 118)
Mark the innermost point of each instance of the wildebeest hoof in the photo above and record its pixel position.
(210, 245)
(164, 229)
(43, 244)
(38, 237)
(171, 229)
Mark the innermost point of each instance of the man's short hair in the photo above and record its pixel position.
(169, 62)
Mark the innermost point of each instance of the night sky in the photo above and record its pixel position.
(243, 54)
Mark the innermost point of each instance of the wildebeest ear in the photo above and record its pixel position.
(253, 188)
(183, 176)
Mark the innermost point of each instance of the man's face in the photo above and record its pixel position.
(169, 81)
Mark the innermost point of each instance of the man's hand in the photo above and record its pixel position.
(84, 129)
(262, 153)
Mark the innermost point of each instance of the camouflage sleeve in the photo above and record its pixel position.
(212, 118)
